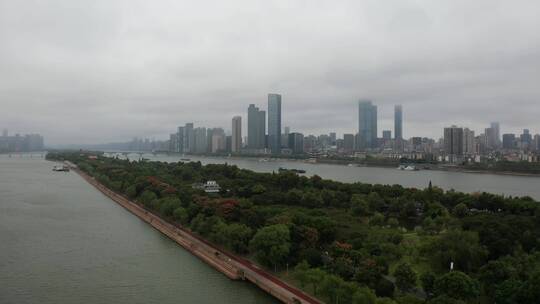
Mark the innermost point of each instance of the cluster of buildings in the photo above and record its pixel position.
(265, 136)
(20, 143)
(461, 145)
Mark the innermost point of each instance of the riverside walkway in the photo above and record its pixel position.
(232, 266)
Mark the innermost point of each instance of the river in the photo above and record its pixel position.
(460, 181)
(62, 241)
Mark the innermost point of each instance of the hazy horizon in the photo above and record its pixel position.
(107, 71)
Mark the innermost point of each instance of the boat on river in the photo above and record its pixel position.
(61, 168)
(408, 168)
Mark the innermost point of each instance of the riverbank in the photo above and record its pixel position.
(234, 267)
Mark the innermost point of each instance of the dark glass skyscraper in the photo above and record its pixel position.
(256, 128)
(367, 124)
(274, 123)
(398, 122)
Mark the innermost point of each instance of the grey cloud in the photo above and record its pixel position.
(98, 71)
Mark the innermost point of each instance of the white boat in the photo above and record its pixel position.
(408, 168)
(61, 168)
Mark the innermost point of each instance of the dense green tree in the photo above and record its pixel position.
(315, 277)
(445, 300)
(167, 205)
(427, 280)
(359, 206)
(457, 285)
(508, 292)
(377, 220)
(300, 273)
(237, 237)
(147, 197)
(271, 244)
(405, 277)
(181, 215)
(460, 210)
(364, 295)
(460, 247)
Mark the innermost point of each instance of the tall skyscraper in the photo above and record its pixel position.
(469, 146)
(387, 134)
(274, 123)
(256, 128)
(348, 142)
(453, 142)
(296, 143)
(367, 124)
(509, 141)
(398, 122)
(333, 138)
(236, 143)
(200, 140)
(189, 139)
(179, 140)
(525, 139)
(496, 137)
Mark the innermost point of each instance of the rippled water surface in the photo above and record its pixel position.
(62, 241)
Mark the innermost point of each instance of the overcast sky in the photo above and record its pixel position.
(101, 71)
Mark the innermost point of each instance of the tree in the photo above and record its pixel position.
(405, 277)
(508, 292)
(131, 191)
(301, 273)
(237, 237)
(364, 295)
(428, 282)
(457, 285)
(445, 300)
(168, 205)
(460, 247)
(147, 197)
(460, 210)
(376, 202)
(393, 222)
(330, 287)
(314, 277)
(359, 206)
(384, 288)
(180, 214)
(377, 220)
(494, 273)
(271, 244)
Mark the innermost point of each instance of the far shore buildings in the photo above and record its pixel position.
(21, 143)
(264, 135)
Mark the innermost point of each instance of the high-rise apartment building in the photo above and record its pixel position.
(348, 142)
(367, 124)
(274, 123)
(387, 134)
(256, 128)
(469, 146)
(189, 138)
(296, 143)
(496, 135)
(179, 147)
(509, 141)
(398, 122)
(236, 137)
(200, 140)
(453, 142)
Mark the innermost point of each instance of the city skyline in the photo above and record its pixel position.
(128, 77)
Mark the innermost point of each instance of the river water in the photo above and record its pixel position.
(62, 241)
(460, 181)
